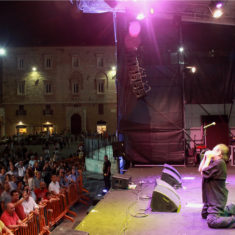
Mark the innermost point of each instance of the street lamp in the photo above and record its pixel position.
(2, 54)
(2, 51)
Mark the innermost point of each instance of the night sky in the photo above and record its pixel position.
(45, 23)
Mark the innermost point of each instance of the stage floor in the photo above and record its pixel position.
(121, 211)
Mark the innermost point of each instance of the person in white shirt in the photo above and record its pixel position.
(21, 169)
(29, 204)
(54, 186)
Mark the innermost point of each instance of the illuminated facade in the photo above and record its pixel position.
(56, 89)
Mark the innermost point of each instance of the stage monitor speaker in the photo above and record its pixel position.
(171, 176)
(165, 198)
(120, 181)
(171, 168)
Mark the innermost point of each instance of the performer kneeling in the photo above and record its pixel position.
(214, 192)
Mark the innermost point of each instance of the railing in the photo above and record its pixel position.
(50, 212)
(93, 143)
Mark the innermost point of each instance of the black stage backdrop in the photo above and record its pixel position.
(152, 125)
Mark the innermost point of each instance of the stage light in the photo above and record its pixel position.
(217, 13)
(105, 190)
(216, 9)
(192, 69)
(140, 16)
(113, 68)
(152, 11)
(219, 5)
(34, 69)
(2, 52)
(181, 49)
(134, 28)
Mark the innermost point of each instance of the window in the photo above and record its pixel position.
(100, 108)
(100, 86)
(48, 110)
(48, 62)
(21, 110)
(75, 61)
(75, 88)
(21, 88)
(100, 62)
(48, 88)
(20, 63)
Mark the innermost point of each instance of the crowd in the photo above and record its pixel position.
(27, 180)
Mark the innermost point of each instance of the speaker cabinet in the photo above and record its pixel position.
(165, 198)
(120, 181)
(171, 176)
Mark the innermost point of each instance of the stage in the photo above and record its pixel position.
(129, 212)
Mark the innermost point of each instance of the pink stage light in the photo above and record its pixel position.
(152, 11)
(140, 16)
(134, 28)
(219, 5)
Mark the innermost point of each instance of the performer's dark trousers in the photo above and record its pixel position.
(224, 220)
(107, 181)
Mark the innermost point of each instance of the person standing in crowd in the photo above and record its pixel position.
(21, 169)
(214, 192)
(107, 172)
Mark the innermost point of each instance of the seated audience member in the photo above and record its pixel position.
(73, 176)
(38, 179)
(64, 183)
(12, 182)
(31, 193)
(2, 175)
(5, 196)
(30, 176)
(20, 188)
(32, 161)
(41, 191)
(4, 229)
(10, 218)
(54, 186)
(12, 171)
(19, 209)
(29, 204)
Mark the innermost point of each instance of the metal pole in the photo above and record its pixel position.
(182, 74)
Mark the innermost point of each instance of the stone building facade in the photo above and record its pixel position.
(58, 89)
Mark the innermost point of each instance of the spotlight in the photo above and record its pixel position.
(192, 69)
(152, 11)
(2, 51)
(217, 13)
(216, 8)
(181, 49)
(140, 16)
(34, 69)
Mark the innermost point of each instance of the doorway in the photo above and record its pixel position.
(76, 124)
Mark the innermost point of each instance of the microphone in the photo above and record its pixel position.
(211, 124)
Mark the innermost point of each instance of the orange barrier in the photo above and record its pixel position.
(53, 210)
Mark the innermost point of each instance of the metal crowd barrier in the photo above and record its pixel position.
(54, 210)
